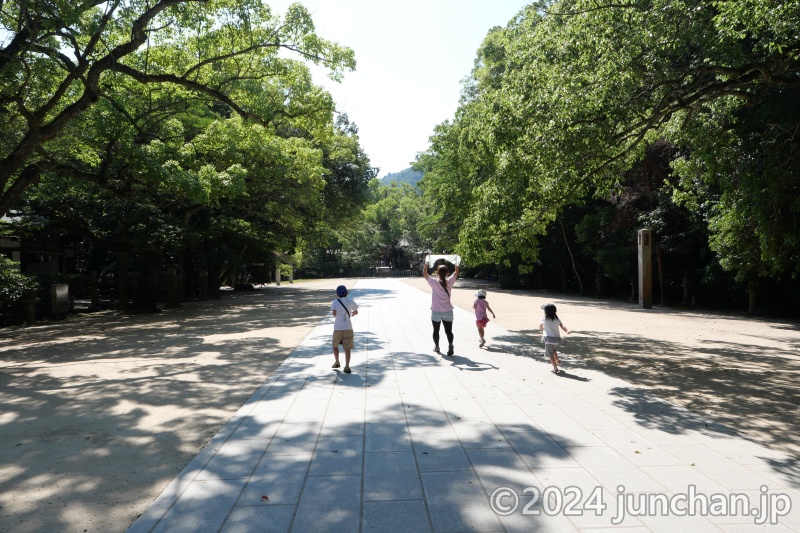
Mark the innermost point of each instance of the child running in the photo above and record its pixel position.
(481, 318)
(550, 334)
(343, 309)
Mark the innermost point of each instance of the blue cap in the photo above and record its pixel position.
(341, 291)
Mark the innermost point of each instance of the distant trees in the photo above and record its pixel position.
(385, 232)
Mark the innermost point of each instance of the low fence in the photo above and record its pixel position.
(395, 273)
(379, 272)
(84, 293)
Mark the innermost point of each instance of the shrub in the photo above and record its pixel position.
(13, 283)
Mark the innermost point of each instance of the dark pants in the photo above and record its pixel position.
(448, 330)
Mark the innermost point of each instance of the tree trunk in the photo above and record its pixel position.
(661, 276)
(571, 257)
(213, 281)
(563, 275)
(687, 289)
(122, 273)
(144, 301)
(598, 284)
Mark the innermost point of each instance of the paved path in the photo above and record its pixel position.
(414, 441)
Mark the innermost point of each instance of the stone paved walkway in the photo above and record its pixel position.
(488, 440)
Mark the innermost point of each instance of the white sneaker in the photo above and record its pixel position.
(483, 341)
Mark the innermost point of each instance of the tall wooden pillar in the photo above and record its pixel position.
(645, 269)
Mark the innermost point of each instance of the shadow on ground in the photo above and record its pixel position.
(419, 449)
(717, 382)
(101, 410)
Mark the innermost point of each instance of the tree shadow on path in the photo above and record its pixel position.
(717, 387)
(101, 411)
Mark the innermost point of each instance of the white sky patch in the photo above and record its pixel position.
(411, 57)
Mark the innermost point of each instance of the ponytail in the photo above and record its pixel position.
(442, 273)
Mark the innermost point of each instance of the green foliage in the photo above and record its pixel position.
(13, 283)
(347, 172)
(286, 271)
(609, 245)
(568, 97)
(62, 58)
(746, 182)
(206, 147)
(383, 232)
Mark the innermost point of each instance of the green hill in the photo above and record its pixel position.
(404, 176)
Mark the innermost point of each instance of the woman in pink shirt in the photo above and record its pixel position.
(441, 308)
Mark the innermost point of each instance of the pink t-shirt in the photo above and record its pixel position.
(480, 308)
(440, 300)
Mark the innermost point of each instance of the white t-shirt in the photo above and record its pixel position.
(342, 320)
(551, 327)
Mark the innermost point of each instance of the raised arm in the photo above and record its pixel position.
(425, 270)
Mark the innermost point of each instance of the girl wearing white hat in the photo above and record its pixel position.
(481, 318)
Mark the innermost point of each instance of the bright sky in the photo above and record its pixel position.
(411, 57)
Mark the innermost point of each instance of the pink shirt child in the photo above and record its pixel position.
(480, 305)
(441, 299)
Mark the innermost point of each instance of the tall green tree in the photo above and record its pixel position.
(566, 98)
(59, 58)
(745, 181)
(160, 175)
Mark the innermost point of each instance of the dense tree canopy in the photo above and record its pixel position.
(566, 99)
(173, 132)
(60, 57)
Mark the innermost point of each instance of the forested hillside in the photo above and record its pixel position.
(408, 175)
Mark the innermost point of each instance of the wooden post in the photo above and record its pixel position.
(645, 269)
(752, 291)
(202, 284)
(30, 300)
